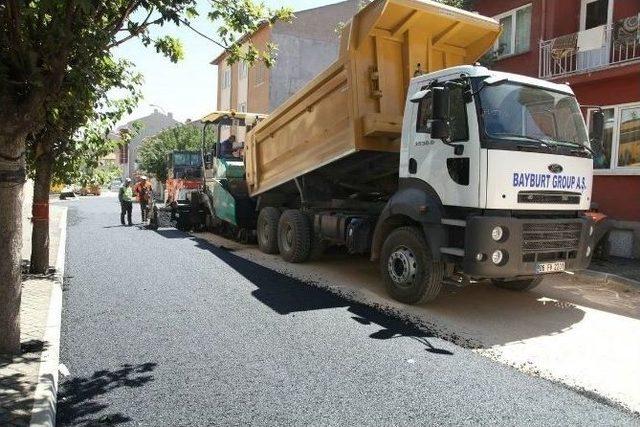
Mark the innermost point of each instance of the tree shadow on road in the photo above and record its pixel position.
(16, 386)
(286, 295)
(79, 398)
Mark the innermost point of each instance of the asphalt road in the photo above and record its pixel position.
(160, 328)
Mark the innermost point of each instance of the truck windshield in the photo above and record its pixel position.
(514, 111)
(187, 159)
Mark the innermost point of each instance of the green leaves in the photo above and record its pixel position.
(170, 47)
(153, 151)
(237, 20)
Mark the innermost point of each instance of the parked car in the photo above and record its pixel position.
(67, 192)
(90, 189)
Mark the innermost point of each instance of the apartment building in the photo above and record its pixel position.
(150, 125)
(594, 46)
(306, 46)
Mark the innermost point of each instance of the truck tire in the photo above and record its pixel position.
(520, 285)
(267, 230)
(410, 274)
(294, 236)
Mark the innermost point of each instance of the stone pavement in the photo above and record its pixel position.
(19, 375)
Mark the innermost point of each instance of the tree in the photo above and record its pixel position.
(42, 42)
(154, 150)
(89, 175)
(75, 136)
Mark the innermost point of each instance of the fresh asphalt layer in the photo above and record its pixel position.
(160, 328)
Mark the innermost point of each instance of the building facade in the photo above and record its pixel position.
(306, 47)
(594, 46)
(149, 126)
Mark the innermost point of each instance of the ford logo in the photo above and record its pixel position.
(555, 168)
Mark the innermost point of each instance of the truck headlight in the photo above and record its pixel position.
(497, 257)
(588, 251)
(497, 233)
(591, 230)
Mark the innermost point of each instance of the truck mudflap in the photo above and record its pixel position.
(503, 247)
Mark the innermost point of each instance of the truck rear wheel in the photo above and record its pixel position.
(294, 236)
(407, 266)
(267, 230)
(518, 285)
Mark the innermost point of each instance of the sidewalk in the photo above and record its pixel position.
(27, 381)
(616, 269)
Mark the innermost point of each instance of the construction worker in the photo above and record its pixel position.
(143, 191)
(226, 147)
(125, 196)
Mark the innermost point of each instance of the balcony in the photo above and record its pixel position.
(591, 50)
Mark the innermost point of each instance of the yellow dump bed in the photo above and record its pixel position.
(357, 103)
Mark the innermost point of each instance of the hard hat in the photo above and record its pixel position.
(143, 177)
(127, 180)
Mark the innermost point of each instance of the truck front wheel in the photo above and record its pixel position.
(519, 284)
(267, 230)
(294, 236)
(410, 273)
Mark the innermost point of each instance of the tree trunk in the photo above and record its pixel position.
(12, 176)
(40, 235)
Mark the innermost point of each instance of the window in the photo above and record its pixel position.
(603, 160)
(226, 78)
(244, 70)
(516, 31)
(629, 145)
(594, 13)
(425, 112)
(531, 114)
(621, 139)
(457, 115)
(259, 73)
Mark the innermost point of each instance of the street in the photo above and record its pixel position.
(160, 328)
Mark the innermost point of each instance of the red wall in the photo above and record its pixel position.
(613, 86)
(549, 19)
(625, 8)
(522, 63)
(618, 196)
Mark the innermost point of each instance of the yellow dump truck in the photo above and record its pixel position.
(439, 170)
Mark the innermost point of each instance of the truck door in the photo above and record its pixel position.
(453, 173)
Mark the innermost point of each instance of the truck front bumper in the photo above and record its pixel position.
(525, 245)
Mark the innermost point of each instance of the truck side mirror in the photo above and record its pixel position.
(598, 128)
(441, 103)
(440, 129)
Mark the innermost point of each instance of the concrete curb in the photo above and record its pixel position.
(607, 278)
(45, 398)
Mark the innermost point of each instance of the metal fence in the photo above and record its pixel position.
(590, 50)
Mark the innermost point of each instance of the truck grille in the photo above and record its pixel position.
(554, 197)
(560, 241)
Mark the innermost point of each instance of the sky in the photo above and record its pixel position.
(186, 89)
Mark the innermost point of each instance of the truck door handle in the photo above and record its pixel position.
(413, 165)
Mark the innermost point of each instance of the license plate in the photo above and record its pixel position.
(550, 267)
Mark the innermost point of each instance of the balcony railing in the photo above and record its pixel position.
(591, 49)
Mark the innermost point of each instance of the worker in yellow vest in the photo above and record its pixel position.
(125, 196)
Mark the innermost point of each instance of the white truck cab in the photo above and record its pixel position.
(499, 169)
